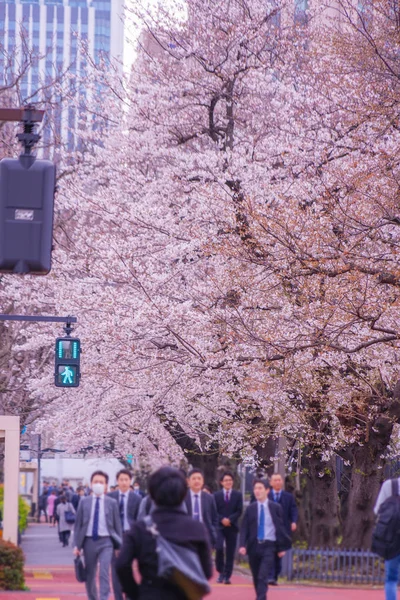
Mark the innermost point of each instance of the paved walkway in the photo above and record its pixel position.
(50, 576)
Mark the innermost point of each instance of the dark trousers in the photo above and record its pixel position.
(224, 559)
(262, 560)
(276, 568)
(43, 510)
(64, 537)
(117, 589)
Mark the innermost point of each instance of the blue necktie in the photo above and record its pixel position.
(261, 523)
(96, 518)
(276, 494)
(121, 510)
(196, 512)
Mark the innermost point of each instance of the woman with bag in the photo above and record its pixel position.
(177, 530)
(66, 519)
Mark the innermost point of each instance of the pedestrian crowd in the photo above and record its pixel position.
(172, 531)
(179, 523)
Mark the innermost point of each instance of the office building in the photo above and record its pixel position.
(42, 40)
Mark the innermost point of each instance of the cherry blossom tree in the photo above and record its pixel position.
(231, 247)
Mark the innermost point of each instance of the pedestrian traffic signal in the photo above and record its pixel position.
(27, 189)
(67, 360)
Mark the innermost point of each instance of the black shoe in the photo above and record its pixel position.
(220, 579)
(272, 582)
(227, 581)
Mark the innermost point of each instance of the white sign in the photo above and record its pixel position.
(25, 455)
(24, 214)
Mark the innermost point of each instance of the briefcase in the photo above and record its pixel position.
(80, 570)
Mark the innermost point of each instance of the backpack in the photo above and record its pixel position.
(179, 565)
(386, 535)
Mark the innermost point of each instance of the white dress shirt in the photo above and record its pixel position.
(193, 494)
(103, 529)
(126, 522)
(384, 493)
(269, 527)
(227, 492)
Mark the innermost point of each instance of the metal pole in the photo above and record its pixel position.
(37, 318)
(39, 456)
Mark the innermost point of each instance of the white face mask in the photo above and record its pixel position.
(98, 488)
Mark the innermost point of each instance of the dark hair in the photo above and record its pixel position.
(227, 474)
(167, 487)
(63, 498)
(264, 482)
(193, 471)
(99, 473)
(124, 472)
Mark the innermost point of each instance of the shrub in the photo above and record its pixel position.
(23, 510)
(23, 513)
(11, 567)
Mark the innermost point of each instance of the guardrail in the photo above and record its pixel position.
(333, 565)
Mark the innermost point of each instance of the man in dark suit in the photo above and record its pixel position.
(290, 516)
(262, 535)
(200, 505)
(229, 504)
(128, 504)
(98, 533)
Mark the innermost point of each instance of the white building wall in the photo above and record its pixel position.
(77, 470)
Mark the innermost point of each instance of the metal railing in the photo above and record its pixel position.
(328, 565)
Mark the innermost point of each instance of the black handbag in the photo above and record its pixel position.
(80, 570)
(69, 516)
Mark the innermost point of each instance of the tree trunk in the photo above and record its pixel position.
(266, 455)
(208, 463)
(367, 470)
(196, 456)
(323, 512)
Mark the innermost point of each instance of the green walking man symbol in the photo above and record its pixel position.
(67, 376)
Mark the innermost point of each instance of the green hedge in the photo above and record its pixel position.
(11, 567)
(23, 510)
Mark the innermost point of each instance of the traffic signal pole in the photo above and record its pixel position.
(42, 319)
(67, 351)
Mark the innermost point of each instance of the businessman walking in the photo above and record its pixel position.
(290, 517)
(128, 504)
(229, 504)
(262, 535)
(200, 505)
(97, 533)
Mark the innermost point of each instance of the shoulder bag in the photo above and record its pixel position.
(179, 565)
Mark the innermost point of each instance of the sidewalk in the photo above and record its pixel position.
(50, 576)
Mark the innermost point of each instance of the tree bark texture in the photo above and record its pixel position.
(323, 510)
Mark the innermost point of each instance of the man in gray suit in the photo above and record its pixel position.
(200, 505)
(128, 505)
(98, 533)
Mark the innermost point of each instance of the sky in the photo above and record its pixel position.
(132, 27)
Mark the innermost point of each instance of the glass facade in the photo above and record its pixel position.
(45, 36)
(300, 11)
